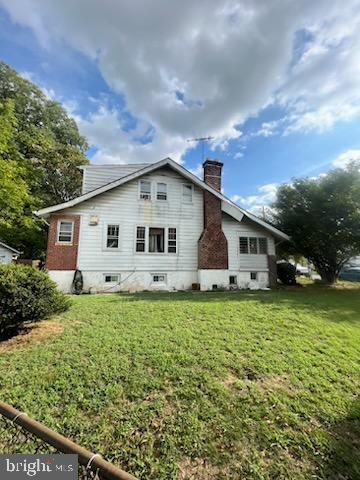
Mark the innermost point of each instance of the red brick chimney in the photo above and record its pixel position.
(212, 248)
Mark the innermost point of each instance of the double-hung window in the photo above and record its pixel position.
(65, 231)
(161, 191)
(171, 240)
(187, 193)
(140, 239)
(145, 190)
(253, 245)
(112, 236)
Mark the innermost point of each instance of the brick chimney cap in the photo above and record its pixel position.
(210, 161)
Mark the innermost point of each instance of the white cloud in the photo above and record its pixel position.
(343, 160)
(104, 128)
(228, 59)
(268, 129)
(266, 194)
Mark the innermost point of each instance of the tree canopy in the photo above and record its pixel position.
(40, 152)
(322, 217)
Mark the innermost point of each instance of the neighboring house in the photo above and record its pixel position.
(157, 226)
(7, 254)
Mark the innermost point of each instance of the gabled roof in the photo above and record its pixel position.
(227, 205)
(2, 244)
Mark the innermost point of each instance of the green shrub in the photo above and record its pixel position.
(27, 294)
(286, 273)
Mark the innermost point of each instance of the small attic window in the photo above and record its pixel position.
(145, 190)
(187, 193)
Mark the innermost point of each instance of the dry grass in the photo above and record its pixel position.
(32, 333)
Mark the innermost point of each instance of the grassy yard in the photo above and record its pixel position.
(249, 385)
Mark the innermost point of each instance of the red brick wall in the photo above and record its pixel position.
(59, 256)
(212, 173)
(212, 247)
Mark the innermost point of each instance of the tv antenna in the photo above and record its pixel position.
(203, 140)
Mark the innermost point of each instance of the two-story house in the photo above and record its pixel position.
(157, 227)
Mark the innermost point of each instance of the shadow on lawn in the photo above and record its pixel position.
(334, 305)
(344, 458)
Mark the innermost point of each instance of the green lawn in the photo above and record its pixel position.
(249, 385)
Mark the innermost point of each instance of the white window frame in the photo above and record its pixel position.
(145, 239)
(172, 240)
(159, 282)
(140, 193)
(166, 240)
(248, 237)
(111, 249)
(62, 242)
(183, 198)
(112, 282)
(161, 193)
(256, 276)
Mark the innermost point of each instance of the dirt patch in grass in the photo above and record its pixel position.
(32, 333)
(230, 380)
(275, 382)
(199, 469)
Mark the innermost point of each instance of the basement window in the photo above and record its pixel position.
(112, 278)
(65, 231)
(233, 280)
(159, 278)
(253, 275)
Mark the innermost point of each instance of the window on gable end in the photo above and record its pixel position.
(145, 190)
(161, 191)
(187, 193)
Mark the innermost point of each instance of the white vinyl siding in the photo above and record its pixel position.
(250, 262)
(6, 255)
(121, 206)
(95, 176)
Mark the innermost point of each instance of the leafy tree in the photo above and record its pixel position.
(17, 224)
(40, 152)
(322, 216)
(47, 139)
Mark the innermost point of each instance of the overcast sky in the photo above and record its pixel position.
(276, 83)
